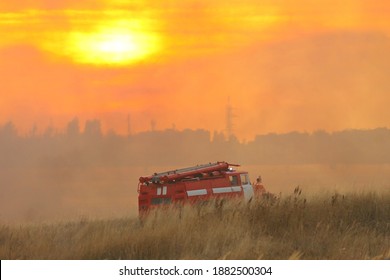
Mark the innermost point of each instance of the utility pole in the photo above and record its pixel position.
(128, 125)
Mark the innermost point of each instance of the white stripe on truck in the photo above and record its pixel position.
(227, 189)
(197, 192)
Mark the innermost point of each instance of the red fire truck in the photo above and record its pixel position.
(193, 184)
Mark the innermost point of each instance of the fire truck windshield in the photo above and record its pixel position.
(244, 179)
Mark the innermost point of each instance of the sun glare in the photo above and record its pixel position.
(117, 43)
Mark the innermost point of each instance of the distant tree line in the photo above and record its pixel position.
(90, 147)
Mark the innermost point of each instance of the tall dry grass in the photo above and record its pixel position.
(350, 226)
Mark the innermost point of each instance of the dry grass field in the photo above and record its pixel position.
(334, 226)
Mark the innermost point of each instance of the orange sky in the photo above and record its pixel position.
(285, 65)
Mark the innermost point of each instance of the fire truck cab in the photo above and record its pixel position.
(193, 184)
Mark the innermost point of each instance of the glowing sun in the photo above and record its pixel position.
(118, 43)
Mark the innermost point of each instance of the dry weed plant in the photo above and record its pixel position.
(349, 226)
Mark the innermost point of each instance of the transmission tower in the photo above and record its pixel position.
(230, 115)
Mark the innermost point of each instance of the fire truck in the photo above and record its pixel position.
(193, 184)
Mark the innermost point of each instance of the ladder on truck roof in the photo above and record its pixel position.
(159, 178)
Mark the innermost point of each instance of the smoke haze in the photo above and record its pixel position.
(84, 172)
(278, 64)
(95, 94)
